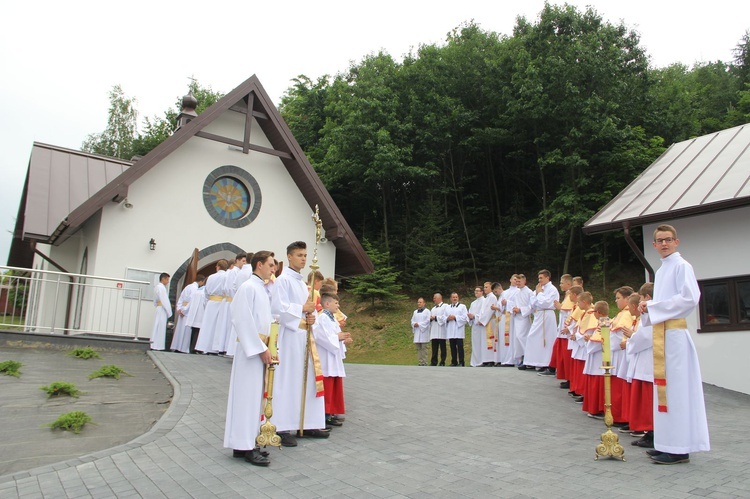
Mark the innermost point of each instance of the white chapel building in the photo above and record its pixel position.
(229, 180)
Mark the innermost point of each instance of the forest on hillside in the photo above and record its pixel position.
(484, 155)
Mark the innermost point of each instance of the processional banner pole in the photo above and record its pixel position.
(314, 267)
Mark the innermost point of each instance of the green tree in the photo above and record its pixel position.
(122, 128)
(381, 284)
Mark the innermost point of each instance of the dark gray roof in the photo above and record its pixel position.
(701, 175)
(61, 180)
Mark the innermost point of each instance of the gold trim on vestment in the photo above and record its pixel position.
(660, 360)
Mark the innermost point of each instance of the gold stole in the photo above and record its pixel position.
(589, 322)
(567, 304)
(575, 315)
(507, 328)
(489, 334)
(316, 365)
(660, 364)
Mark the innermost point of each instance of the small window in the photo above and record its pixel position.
(725, 304)
(147, 290)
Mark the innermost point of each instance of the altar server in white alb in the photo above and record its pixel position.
(290, 302)
(182, 332)
(420, 327)
(520, 322)
(195, 309)
(455, 318)
(680, 425)
(251, 317)
(543, 330)
(163, 312)
(478, 331)
(437, 331)
(238, 277)
(214, 316)
(489, 318)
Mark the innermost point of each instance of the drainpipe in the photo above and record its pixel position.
(638, 253)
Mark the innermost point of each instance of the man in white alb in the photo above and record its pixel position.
(163, 312)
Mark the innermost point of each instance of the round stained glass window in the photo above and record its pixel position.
(231, 196)
(230, 199)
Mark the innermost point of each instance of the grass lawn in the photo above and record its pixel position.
(383, 335)
(10, 323)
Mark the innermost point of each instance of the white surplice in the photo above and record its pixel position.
(214, 316)
(326, 331)
(422, 330)
(684, 428)
(251, 315)
(182, 332)
(196, 307)
(163, 312)
(543, 330)
(504, 353)
(288, 296)
(520, 322)
(455, 329)
(437, 330)
(488, 318)
(478, 332)
(221, 335)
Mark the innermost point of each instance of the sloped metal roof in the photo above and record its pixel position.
(61, 180)
(701, 175)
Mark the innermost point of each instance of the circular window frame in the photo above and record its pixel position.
(250, 184)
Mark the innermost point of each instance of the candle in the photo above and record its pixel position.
(606, 350)
(273, 337)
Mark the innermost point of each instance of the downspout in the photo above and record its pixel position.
(70, 290)
(638, 253)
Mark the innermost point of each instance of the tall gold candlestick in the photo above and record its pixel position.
(610, 442)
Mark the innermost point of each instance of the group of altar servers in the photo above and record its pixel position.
(258, 302)
(656, 387)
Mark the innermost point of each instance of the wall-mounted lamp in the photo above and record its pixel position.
(152, 244)
(126, 204)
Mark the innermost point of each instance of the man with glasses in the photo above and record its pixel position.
(680, 425)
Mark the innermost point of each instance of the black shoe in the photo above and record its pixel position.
(625, 429)
(315, 434)
(596, 416)
(462, 364)
(523, 367)
(454, 365)
(433, 365)
(339, 417)
(288, 440)
(546, 372)
(578, 399)
(666, 458)
(241, 453)
(565, 384)
(637, 434)
(330, 420)
(442, 364)
(653, 452)
(257, 458)
(620, 424)
(646, 441)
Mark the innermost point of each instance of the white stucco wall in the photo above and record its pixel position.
(168, 206)
(717, 246)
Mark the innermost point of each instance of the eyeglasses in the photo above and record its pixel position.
(667, 240)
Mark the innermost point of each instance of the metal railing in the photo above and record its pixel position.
(34, 300)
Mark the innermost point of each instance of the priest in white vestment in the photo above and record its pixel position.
(290, 302)
(543, 330)
(490, 319)
(437, 331)
(680, 424)
(251, 317)
(455, 318)
(163, 312)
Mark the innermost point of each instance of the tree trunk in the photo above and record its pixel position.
(459, 206)
(569, 250)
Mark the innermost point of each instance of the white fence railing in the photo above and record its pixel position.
(57, 302)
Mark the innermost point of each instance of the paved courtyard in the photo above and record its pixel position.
(413, 432)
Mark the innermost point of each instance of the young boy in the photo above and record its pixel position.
(558, 361)
(328, 338)
(593, 399)
(623, 320)
(420, 326)
(640, 373)
(576, 345)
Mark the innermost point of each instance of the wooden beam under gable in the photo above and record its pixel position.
(250, 99)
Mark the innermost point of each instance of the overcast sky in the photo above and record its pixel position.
(60, 59)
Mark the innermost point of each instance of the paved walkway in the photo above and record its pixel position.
(413, 432)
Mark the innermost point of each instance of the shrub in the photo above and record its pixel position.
(109, 371)
(85, 353)
(11, 368)
(61, 388)
(71, 421)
